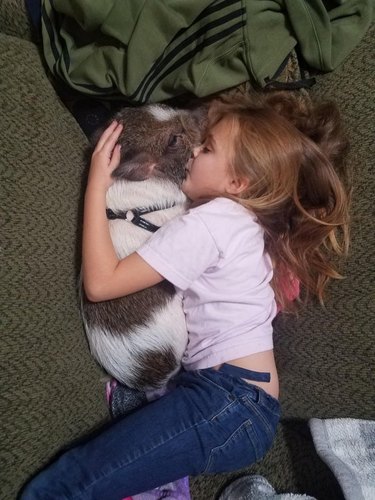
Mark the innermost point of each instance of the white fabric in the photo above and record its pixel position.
(256, 487)
(347, 446)
(215, 257)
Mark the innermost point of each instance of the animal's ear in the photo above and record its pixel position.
(196, 121)
(200, 115)
(137, 168)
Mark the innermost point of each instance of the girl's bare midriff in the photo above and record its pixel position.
(260, 362)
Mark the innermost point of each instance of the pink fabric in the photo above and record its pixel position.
(178, 490)
(109, 388)
(292, 290)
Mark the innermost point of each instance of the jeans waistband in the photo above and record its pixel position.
(237, 371)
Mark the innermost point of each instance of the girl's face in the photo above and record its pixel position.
(208, 173)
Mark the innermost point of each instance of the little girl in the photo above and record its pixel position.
(267, 205)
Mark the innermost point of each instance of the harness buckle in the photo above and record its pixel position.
(129, 215)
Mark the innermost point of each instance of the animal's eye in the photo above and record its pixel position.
(173, 140)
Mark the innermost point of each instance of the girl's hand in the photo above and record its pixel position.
(106, 157)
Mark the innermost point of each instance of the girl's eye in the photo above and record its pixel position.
(205, 149)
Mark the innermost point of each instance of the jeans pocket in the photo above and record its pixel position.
(238, 451)
(265, 415)
(264, 401)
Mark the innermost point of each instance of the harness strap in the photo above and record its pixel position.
(134, 216)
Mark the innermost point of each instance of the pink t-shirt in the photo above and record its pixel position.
(214, 255)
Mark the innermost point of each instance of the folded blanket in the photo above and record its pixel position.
(347, 446)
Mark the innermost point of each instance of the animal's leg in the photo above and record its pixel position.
(122, 399)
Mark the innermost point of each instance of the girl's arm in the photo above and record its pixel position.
(104, 275)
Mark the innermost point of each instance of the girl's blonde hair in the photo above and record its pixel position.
(290, 150)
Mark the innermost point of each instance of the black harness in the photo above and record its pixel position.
(135, 216)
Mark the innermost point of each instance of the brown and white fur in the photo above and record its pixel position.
(140, 339)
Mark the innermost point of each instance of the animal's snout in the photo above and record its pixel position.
(195, 152)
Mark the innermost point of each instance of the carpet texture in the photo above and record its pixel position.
(51, 391)
(14, 20)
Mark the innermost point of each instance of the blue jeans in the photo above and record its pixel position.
(211, 422)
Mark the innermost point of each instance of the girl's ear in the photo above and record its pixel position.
(237, 185)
